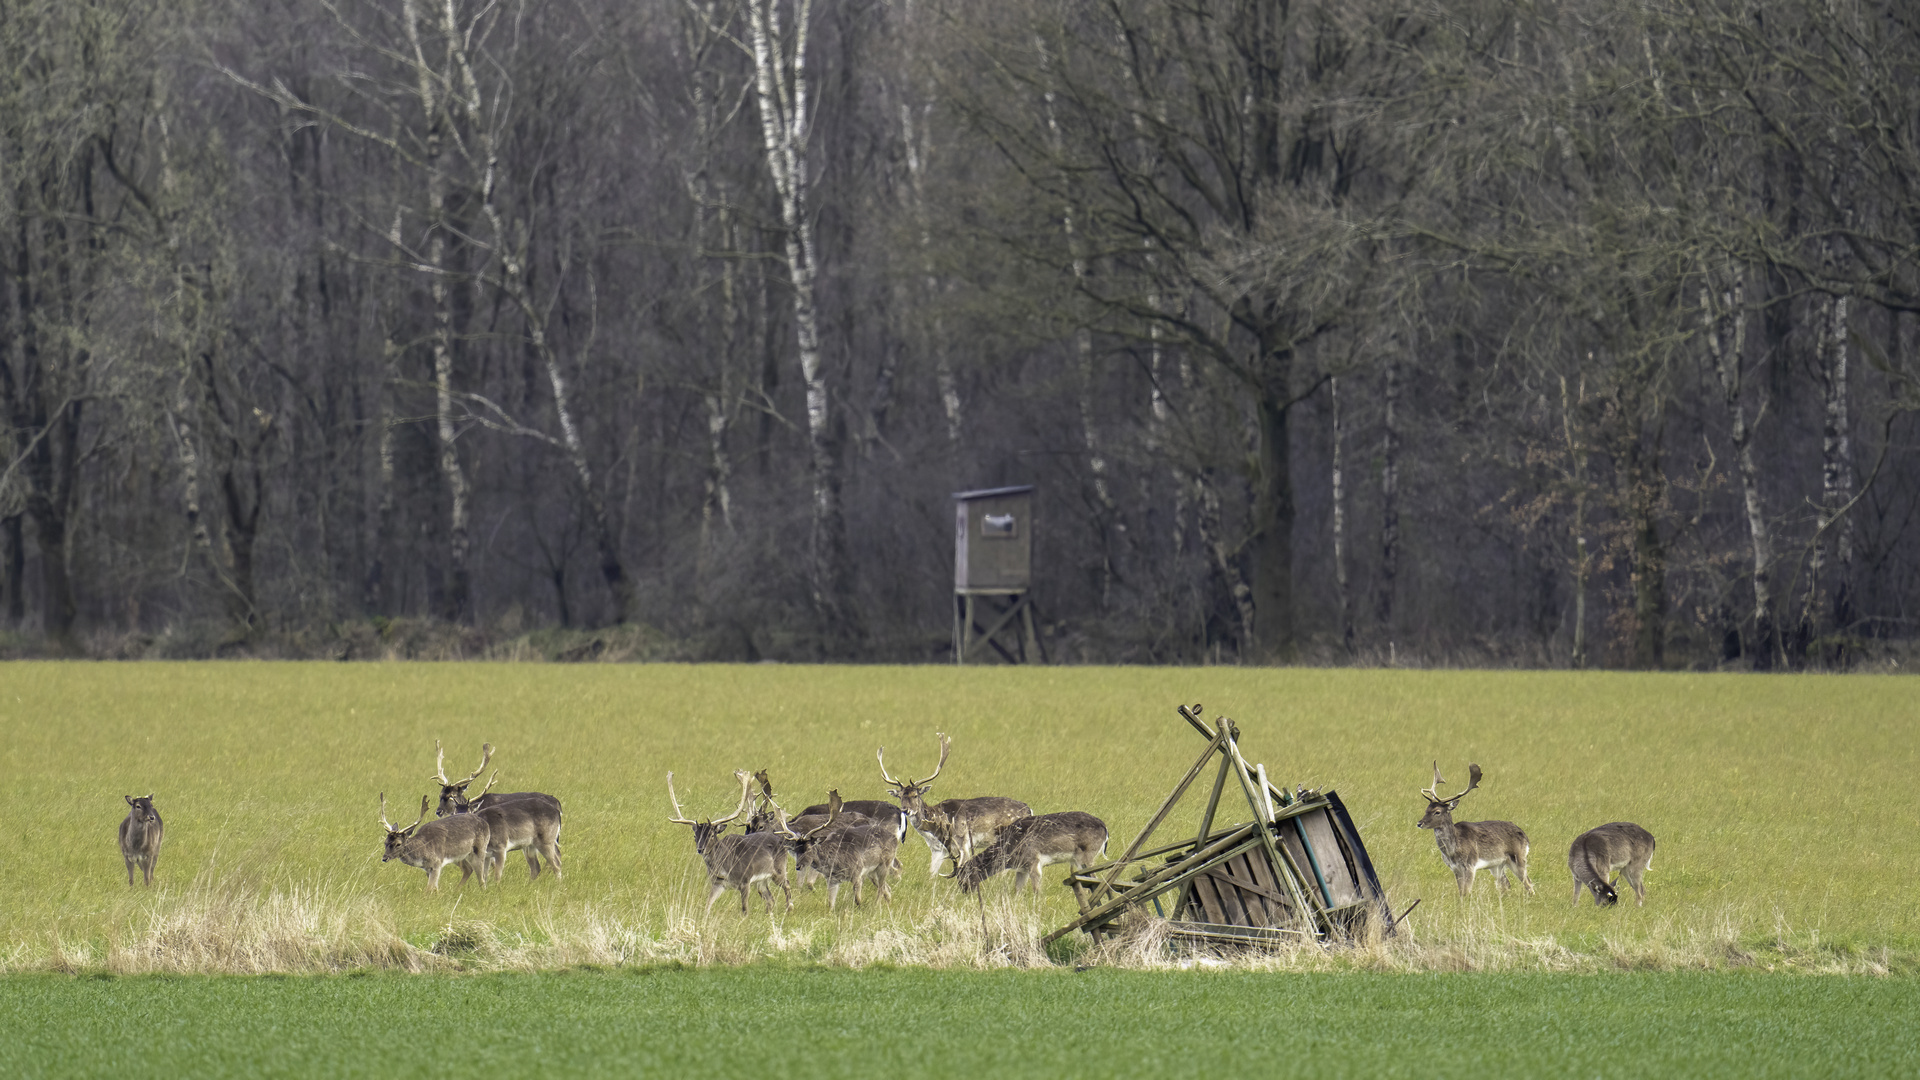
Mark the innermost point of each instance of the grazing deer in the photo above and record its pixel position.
(530, 824)
(1029, 844)
(453, 793)
(954, 828)
(1471, 846)
(843, 853)
(140, 836)
(443, 842)
(741, 862)
(1597, 853)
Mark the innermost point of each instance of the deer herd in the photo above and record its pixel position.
(858, 842)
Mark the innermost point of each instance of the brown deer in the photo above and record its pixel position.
(843, 854)
(529, 824)
(1472, 846)
(1597, 853)
(140, 836)
(741, 862)
(443, 842)
(855, 812)
(1029, 844)
(955, 828)
(453, 793)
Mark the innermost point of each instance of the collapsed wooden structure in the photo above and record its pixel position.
(1295, 872)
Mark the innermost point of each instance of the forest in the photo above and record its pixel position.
(1363, 332)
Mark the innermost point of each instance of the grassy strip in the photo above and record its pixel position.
(1782, 806)
(790, 1021)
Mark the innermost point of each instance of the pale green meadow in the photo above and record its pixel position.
(1783, 806)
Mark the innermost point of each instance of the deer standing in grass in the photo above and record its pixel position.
(461, 839)
(955, 828)
(1027, 845)
(140, 836)
(848, 853)
(1472, 846)
(741, 862)
(1597, 853)
(529, 824)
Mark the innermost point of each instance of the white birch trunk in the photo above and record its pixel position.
(1726, 343)
(1340, 519)
(780, 90)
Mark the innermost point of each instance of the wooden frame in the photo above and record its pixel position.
(1296, 871)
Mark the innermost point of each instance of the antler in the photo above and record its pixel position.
(408, 829)
(1433, 793)
(891, 782)
(486, 755)
(489, 787)
(746, 785)
(833, 815)
(677, 818)
(440, 765)
(946, 744)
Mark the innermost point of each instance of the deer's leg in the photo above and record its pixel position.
(1520, 868)
(1577, 886)
(718, 888)
(1635, 878)
(433, 878)
(939, 856)
(129, 859)
(833, 892)
(1463, 877)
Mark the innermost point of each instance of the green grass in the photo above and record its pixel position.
(767, 1020)
(1788, 831)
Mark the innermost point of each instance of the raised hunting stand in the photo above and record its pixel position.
(993, 574)
(1295, 872)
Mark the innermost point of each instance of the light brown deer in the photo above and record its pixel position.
(140, 836)
(1472, 846)
(529, 824)
(453, 793)
(1597, 853)
(741, 862)
(953, 829)
(1029, 844)
(443, 842)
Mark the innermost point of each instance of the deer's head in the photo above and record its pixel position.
(1439, 813)
(912, 793)
(142, 811)
(453, 793)
(397, 838)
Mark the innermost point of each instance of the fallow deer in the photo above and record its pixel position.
(957, 827)
(1597, 853)
(740, 862)
(453, 793)
(843, 854)
(529, 824)
(1471, 846)
(1029, 844)
(855, 812)
(443, 842)
(140, 834)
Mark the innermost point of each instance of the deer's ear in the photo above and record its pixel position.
(129, 799)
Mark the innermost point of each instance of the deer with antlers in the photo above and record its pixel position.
(955, 828)
(532, 825)
(843, 853)
(453, 793)
(741, 862)
(1598, 852)
(140, 833)
(1472, 846)
(461, 839)
(1031, 843)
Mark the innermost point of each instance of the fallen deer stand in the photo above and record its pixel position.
(1296, 872)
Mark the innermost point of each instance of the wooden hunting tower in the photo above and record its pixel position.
(993, 573)
(1293, 870)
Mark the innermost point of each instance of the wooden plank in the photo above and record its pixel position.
(1133, 849)
(1333, 862)
(1208, 900)
(1157, 883)
(1228, 897)
(1263, 873)
(1235, 873)
(1269, 901)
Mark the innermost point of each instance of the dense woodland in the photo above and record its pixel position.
(1365, 331)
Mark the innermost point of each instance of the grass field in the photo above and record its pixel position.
(773, 1020)
(1787, 828)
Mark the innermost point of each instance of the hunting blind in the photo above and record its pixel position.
(993, 574)
(1295, 872)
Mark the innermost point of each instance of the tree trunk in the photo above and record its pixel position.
(781, 90)
(1273, 512)
(1726, 341)
(1389, 502)
(1340, 584)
